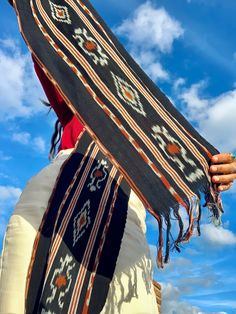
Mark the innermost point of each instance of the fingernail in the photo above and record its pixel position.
(221, 188)
(214, 168)
(214, 158)
(216, 179)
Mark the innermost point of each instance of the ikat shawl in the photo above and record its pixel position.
(162, 157)
(134, 125)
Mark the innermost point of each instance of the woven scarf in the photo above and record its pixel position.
(135, 126)
(148, 144)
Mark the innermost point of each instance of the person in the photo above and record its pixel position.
(133, 269)
(130, 290)
(133, 273)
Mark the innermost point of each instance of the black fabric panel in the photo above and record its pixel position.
(40, 262)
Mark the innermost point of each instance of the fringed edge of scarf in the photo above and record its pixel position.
(212, 202)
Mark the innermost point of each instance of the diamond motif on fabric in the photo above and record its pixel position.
(98, 175)
(127, 93)
(61, 281)
(90, 46)
(60, 13)
(177, 153)
(81, 222)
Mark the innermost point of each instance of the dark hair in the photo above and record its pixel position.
(56, 136)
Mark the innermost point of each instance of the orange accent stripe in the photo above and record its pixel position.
(57, 238)
(81, 274)
(113, 100)
(146, 141)
(92, 277)
(130, 74)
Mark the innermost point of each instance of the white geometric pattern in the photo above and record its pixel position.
(98, 175)
(60, 13)
(179, 156)
(90, 46)
(81, 222)
(64, 271)
(128, 94)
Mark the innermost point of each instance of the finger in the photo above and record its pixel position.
(226, 179)
(222, 158)
(224, 168)
(224, 187)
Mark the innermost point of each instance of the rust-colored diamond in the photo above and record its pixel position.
(82, 221)
(128, 94)
(90, 45)
(173, 149)
(60, 13)
(61, 281)
(98, 174)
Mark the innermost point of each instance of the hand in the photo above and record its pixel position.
(223, 169)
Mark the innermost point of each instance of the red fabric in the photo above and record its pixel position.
(72, 127)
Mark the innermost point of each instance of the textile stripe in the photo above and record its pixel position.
(80, 185)
(177, 130)
(103, 148)
(168, 113)
(92, 277)
(56, 240)
(129, 74)
(95, 20)
(125, 133)
(121, 109)
(85, 8)
(144, 138)
(84, 264)
(71, 186)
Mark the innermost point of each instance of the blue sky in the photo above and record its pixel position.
(188, 47)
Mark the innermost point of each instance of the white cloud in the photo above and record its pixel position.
(214, 313)
(25, 138)
(171, 303)
(148, 60)
(20, 90)
(217, 236)
(39, 144)
(4, 157)
(4, 176)
(229, 304)
(178, 83)
(148, 20)
(215, 116)
(195, 104)
(21, 137)
(9, 193)
(219, 125)
(164, 30)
